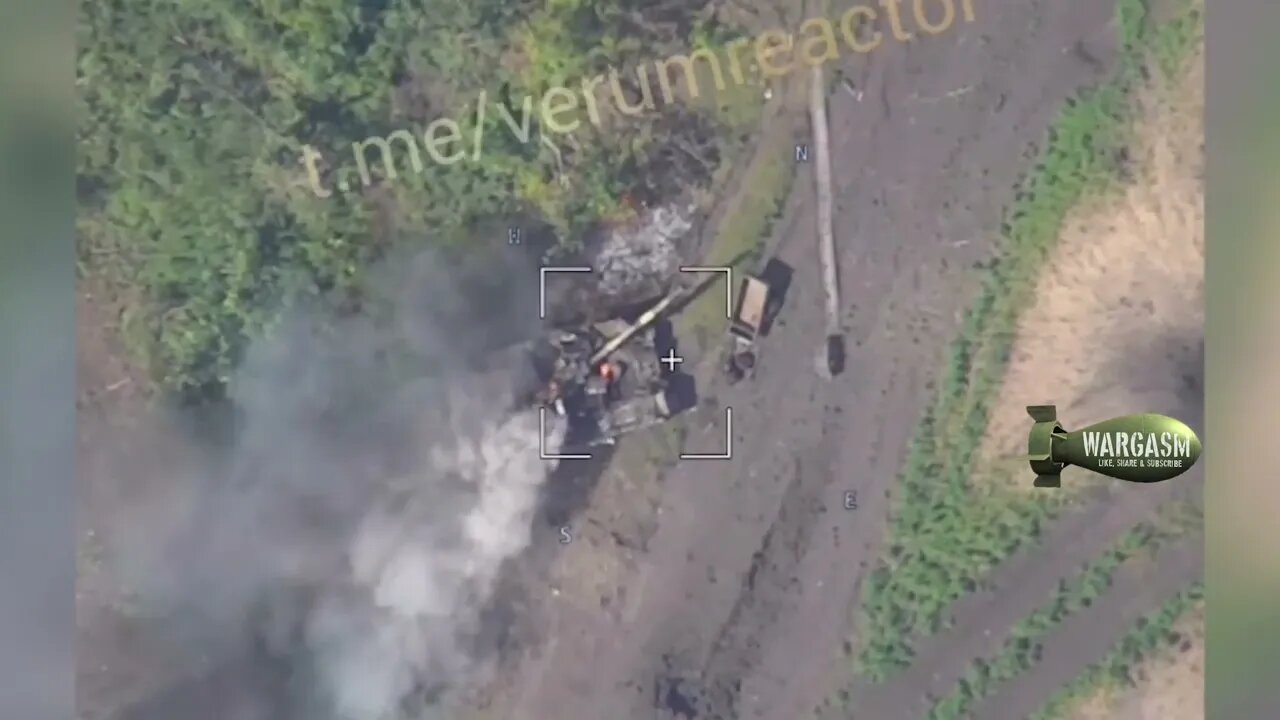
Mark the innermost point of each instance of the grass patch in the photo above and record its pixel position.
(945, 534)
(1149, 636)
(741, 236)
(738, 107)
(1023, 648)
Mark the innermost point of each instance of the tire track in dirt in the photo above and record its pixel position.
(772, 585)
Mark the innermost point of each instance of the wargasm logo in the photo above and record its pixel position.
(1143, 448)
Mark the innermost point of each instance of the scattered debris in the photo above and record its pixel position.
(945, 96)
(847, 84)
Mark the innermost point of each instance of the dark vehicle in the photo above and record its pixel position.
(759, 300)
(744, 326)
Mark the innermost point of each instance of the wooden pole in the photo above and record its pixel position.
(834, 349)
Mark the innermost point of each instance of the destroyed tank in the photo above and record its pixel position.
(605, 379)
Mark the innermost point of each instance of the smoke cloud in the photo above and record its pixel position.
(335, 560)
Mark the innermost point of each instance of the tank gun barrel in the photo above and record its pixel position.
(644, 321)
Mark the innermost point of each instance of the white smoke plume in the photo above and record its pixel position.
(423, 579)
(336, 562)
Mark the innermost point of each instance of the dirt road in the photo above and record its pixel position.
(747, 584)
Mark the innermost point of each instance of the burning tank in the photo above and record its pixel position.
(595, 365)
(605, 378)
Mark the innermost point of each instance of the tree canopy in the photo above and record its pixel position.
(195, 114)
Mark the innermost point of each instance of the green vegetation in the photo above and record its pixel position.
(1148, 637)
(192, 187)
(1022, 650)
(945, 532)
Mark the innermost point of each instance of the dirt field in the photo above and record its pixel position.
(111, 400)
(1168, 687)
(981, 621)
(1088, 635)
(1123, 298)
